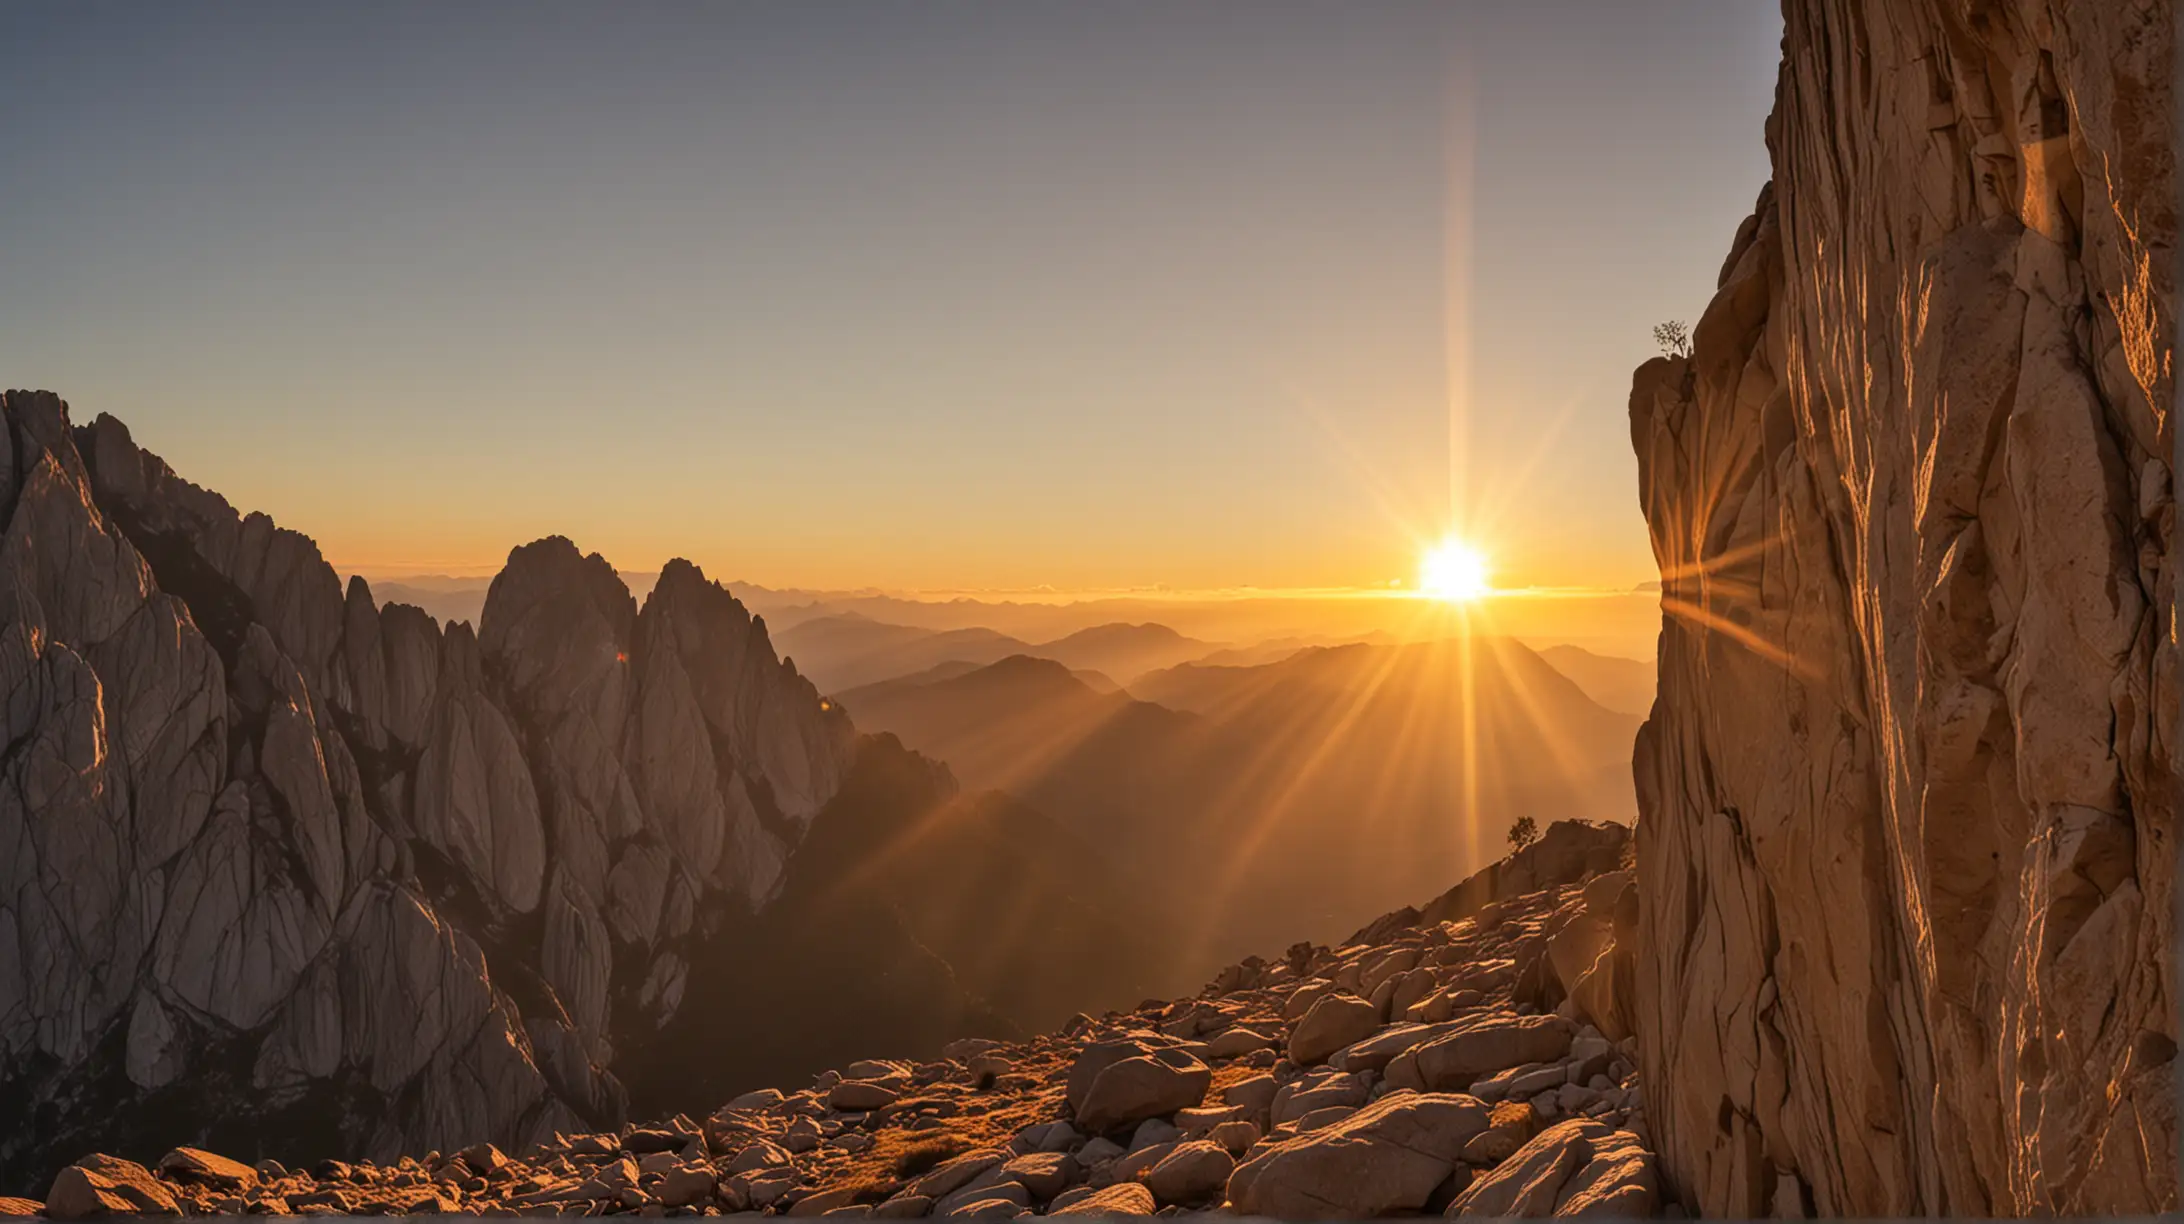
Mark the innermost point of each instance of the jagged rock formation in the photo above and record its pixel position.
(1908, 796)
(277, 861)
(1463, 1083)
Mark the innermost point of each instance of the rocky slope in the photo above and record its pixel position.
(1908, 796)
(1439, 1061)
(277, 862)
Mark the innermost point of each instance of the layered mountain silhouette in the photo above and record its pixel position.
(1623, 685)
(1289, 794)
(849, 650)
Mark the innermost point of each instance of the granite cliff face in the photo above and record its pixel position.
(1908, 795)
(276, 860)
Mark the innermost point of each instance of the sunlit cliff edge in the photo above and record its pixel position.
(1908, 797)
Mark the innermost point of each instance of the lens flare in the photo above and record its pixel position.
(1453, 570)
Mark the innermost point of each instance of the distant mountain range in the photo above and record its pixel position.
(1305, 788)
(1620, 684)
(849, 650)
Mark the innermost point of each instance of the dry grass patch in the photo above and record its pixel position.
(923, 1157)
(899, 1154)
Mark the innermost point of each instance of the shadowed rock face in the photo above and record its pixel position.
(1908, 798)
(283, 867)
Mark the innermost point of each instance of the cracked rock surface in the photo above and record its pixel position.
(1908, 797)
(278, 862)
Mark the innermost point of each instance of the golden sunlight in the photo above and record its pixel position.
(1453, 570)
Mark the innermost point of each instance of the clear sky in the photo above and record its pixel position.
(927, 296)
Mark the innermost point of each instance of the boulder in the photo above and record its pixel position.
(482, 1159)
(951, 1175)
(100, 1185)
(1480, 1048)
(999, 1207)
(1332, 1088)
(1237, 1042)
(1142, 1085)
(822, 1202)
(1191, 1173)
(197, 1167)
(1045, 1174)
(1325, 1115)
(1386, 1158)
(861, 1095)
(1134, 1165)
(759, 1154)
(1154, 1131)
(688, 1186)
(1098, 1151)
(1235, 1137)
(1574, 1168)
(1334, 1021)
(1122, 1198)
(1253, 1094)
(1376, 1052)
(999, 1190)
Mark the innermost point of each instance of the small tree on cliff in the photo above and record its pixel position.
(1673, 337)
(1523, 833)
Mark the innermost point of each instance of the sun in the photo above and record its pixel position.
(1453, 570)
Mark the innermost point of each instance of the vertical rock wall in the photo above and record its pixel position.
(1908, 794)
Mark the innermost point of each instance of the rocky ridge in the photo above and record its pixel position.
(277, 860)
(1460, 1064)
(1907, 800)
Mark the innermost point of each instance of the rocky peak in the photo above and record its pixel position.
(558, 623)
(316, 870)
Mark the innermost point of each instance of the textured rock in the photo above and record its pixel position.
(1908, 798)
(1480, 1048)
(1572, 1169)
(1191, 1173)
(1384, 1159)
(259, 836)
(107, 1185)
(1123, 1198)
(195, 1166)
(1567, 852)
(1143, 1086)
(1335, 1021)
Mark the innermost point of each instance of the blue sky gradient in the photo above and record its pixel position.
(941, 295)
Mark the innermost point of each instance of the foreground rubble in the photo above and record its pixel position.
(1431, 1065)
